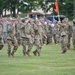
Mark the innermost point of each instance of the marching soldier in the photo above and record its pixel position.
(64, 35)
(69, 33)
(29, 31)
(11, 39)
(27, 34)
(73, 34)
(56, 32)
(39, 34)
(18, 30)
(1, 36)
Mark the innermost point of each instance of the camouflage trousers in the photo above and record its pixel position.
(19, 40)
(73, 40)
(56, 38)
(48, 39)
(1, 44)
(38, 44)
(10, 43)
(64, 42)
(69, 38)
(28, 42)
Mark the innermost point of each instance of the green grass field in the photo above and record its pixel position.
(51, 62)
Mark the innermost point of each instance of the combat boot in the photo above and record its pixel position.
(9, 53)
(64, 51)
(38, 53)
(28, 52)
(34, 52)
(12, 53)
(24, 54)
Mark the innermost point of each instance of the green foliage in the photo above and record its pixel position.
(66, 8)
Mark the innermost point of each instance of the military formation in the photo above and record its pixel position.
(29, 32)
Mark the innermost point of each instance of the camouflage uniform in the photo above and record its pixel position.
(69, 31)
(18, 31)
(49, 36)
(56, 33)
(64, 36)
(39, 34)
(11, 40)
(69, 35)
(29, 31)
(73, 34)
(46, 29)
(27, 35)
(1, 37)
(23, 38)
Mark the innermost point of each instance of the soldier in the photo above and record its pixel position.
(1, 36)
(49, 32)
(73, 34)
(38, 38)
(27, 34)
(45, 30)
(56, 32)
(11, 39)
(64, 35)
(70, 32)
(23, 37)
(29, 31)
(18, 30)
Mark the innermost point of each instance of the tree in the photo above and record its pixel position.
(46, 4)
(66, 8)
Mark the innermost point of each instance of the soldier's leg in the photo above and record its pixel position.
(14, 50)
(54, 36)
(1, 44)
(62, 44)
(48, 39)
(15, 44)
(35, 51)
(9, 47)
(38, 48)
(57, 38)
(65, 42)
(69, 37)
(30, 45)
(74, 44)
(19, 40)
(24, 46)
(29, 49)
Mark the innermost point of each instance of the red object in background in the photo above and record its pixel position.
(56, 7)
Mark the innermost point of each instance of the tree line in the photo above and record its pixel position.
(65, 6)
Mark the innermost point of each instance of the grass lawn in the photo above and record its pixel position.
(51, 62)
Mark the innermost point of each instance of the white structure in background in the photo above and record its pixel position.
(41, 11)
(24, 2)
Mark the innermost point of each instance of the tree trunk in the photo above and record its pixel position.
(5, 13)
(14, 11)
